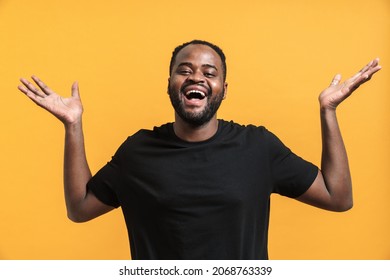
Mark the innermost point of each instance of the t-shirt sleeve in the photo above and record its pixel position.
(104, 183)
(291, 174)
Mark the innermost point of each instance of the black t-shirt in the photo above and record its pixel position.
(200, 200)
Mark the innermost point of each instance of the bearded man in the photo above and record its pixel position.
(200, 187)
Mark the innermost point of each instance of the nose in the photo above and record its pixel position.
(196, 77)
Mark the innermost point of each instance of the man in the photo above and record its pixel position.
(199, 188)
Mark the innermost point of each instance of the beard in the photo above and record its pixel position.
(196, 119)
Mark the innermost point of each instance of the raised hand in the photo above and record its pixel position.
(332, 189)
(81, 204)
(68, 110)
(337, 92)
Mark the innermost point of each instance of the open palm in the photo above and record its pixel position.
(337, 92)
(67, 109)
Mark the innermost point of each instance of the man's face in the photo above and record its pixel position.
(196, 86)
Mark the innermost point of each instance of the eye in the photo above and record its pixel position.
(185, 72)
(209, 74)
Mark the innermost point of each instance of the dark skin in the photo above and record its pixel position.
(198, 67)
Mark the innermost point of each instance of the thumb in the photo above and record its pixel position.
(75, 90)
(336, 80)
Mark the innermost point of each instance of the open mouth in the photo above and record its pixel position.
(195, 94)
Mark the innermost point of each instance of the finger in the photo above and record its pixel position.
(30, 88)
(23, 89)
(375, 62)
(367, 69)
(354, 84)
(34, 97)
(42, 85)
(361, 71)
(367, 73)
(336, 80)
(375, 67)
(363, 75)
(75, 90)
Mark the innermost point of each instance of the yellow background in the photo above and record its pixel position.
(280, 55)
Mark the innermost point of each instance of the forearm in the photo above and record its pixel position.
(76, 169)
(332, 189)
(334, 163)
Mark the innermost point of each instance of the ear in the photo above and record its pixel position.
(169, 81)
(225, 87)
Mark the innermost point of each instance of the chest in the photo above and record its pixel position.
(183, 179)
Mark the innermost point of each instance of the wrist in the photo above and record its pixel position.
(74, 125)
(325, 110)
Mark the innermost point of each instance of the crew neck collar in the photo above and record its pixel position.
(177, 138)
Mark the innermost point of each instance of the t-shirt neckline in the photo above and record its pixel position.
(211, 139)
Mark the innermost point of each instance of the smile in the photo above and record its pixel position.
(195, 94)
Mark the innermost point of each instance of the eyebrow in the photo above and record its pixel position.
(203, 65)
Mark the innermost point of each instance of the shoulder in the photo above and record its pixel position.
(158, 132)
(145, 137)
(250, 135)
(233, 128)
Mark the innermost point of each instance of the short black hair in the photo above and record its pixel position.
(217, 49)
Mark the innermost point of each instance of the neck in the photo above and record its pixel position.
(192, 133)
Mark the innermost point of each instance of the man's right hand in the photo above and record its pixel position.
(82, 205)
(67, 110)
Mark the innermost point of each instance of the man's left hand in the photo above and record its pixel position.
(337, 92)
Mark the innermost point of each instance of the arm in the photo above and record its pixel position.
(332, 189)
(81, 204)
